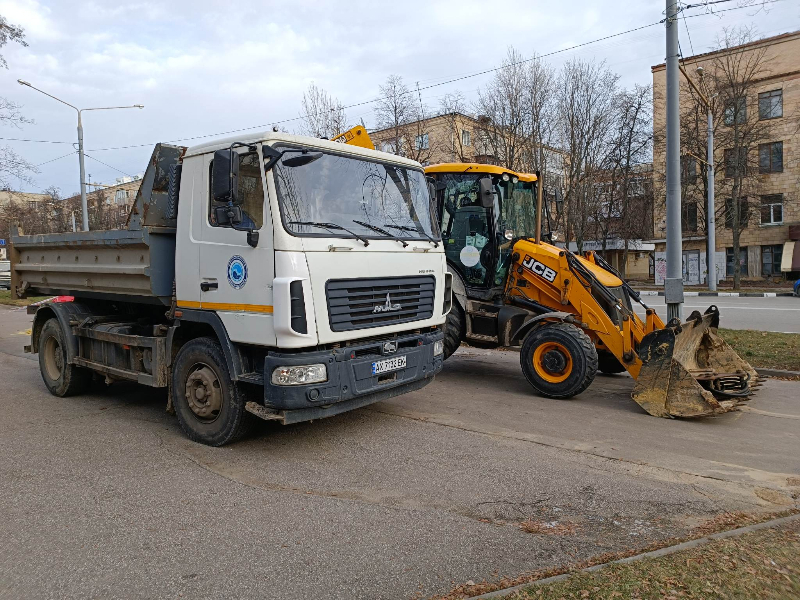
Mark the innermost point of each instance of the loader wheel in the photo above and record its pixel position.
(558, 360)
(210, 407)
(61, 378)
(453, 330)
(607, 363)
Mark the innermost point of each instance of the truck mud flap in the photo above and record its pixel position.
(688, 370)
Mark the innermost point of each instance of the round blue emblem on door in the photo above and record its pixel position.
(237, 272)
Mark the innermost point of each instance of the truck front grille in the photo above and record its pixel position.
(363, 303)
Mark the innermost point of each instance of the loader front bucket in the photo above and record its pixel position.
(688, 370)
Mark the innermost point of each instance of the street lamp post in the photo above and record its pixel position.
(84, 207)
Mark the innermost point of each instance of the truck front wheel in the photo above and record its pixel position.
(558, 360)
(209, 405)
(60, 377)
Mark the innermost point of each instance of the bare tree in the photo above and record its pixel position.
(323, 115)
(400, 111)
(504, 114)
(540, 88)
(583, 119)
(451, 108)
(735, 75)
(11, 164)
(624, 206)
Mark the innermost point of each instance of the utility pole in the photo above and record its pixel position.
(711, 240)
(711, 223)
(673, 284)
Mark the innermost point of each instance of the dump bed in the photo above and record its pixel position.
(133, 264)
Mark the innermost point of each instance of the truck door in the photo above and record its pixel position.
(235, 278)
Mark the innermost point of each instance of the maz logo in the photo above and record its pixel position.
(388, 307)
(538, 268)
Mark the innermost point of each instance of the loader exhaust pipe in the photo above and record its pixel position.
(538, 237)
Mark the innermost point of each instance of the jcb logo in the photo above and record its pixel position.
(538, 268)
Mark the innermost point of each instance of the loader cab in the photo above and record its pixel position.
(477, 232)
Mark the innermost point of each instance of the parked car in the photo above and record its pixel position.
(797, 288)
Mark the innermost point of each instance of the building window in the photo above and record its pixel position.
(729, 264)
(770, 157)
(465, 138)
(770, 104)
(386, 147)
(689, 217)
(736, 111)
(743, 213)
(688, 169)
(771, 260)
(731, 162)
(421, 142)
(772, 209)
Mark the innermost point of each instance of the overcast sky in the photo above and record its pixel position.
(201, 67)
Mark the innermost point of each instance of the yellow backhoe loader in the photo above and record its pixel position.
(570, 315)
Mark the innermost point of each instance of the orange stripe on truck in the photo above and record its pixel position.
(255, 308)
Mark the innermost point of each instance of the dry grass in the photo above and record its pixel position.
(764, 564)
(765, 349)
(5, 298)
(723, 522)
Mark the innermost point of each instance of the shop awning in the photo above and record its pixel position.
(790, 259)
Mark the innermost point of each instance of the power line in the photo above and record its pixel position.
(107, 165)
(36, 141)
(55, 159)
(427, 87)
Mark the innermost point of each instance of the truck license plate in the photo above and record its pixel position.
(390, 364)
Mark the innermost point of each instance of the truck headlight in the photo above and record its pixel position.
(300, 375)
(438, 347)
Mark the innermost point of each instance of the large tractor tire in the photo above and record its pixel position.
(453, 330)
(607, 363)
(558, 360)
(210, 407)
(60, 377)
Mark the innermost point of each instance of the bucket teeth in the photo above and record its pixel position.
(689, 371)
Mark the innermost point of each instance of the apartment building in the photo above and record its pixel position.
(771, 202)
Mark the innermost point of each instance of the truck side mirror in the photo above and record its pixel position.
(486, 192)
(225, 176)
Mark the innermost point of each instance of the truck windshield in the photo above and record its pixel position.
(356, 194)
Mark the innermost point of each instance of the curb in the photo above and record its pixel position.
(726, 294)
(654, 554)
(777, 373)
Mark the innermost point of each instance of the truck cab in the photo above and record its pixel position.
(311, 271)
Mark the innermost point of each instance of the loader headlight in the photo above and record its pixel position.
(438, 347)
(300, 375)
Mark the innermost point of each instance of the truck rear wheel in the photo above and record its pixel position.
(61, 378)
(210, 407)
(453, 330)
(558, 360)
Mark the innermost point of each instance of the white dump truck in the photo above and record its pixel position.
(276, 276)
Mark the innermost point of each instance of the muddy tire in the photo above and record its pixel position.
(61, 378)
(453, 330)
(607, 363)
(210, 407)
(558, 360)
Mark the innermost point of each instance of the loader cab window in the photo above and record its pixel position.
(251, 192)
(475, 237)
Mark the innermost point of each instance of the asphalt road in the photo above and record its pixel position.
(103, 497)
(763, 314)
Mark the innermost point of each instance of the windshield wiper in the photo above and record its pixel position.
(331, 226)
(413, 230)
(383, 231)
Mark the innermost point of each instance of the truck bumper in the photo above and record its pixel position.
(351, 383)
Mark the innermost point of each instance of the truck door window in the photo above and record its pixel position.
(251, 192)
